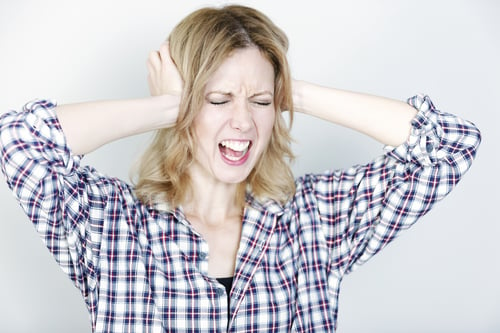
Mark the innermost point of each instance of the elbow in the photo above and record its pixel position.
(472, 140)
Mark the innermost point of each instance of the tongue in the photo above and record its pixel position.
(229, 152)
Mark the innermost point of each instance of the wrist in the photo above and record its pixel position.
(298, 96)
(167, 109)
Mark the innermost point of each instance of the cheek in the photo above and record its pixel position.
(201, 140)
(266, 125)
(202, 128)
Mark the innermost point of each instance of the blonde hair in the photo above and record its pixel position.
(198, 45)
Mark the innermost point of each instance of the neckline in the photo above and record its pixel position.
(225, 279)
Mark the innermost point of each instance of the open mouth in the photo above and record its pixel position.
(235, 151)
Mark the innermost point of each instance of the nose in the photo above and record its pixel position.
(241, 117)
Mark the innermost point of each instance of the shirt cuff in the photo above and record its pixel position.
(42, 122)
(424, 142)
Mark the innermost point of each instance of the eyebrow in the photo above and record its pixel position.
(266, 92)
(225, 93)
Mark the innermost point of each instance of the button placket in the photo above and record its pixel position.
(202, 257)
(220, 292)
(235, 293)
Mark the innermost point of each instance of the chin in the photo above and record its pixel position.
(232, 175)
(236, 179)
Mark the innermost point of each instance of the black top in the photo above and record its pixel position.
(227, 283)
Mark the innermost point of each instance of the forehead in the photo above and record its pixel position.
(245, 69)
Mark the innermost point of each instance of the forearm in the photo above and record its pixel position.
(384, 119)
(90, 125)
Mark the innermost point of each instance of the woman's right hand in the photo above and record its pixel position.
(85, 134)
(163, 75)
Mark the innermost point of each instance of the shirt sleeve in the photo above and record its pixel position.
(364, 207)
(64, 202)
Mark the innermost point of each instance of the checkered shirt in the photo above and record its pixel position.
(141, 268)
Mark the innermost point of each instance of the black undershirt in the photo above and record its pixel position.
(227, 283)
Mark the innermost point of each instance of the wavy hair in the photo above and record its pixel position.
(199, 44)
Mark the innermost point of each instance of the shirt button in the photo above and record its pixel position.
(429, 147)
(219, 292)
(202, 256)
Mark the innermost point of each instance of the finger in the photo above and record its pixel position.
(164, 50)
(165, 54)
(154, 60)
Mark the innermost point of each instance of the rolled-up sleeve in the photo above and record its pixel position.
(64, 202)
(363, 208)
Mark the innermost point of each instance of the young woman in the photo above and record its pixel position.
(215, 234)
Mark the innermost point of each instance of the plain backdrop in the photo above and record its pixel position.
(441, 276)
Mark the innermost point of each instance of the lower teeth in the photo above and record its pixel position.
(235, 158)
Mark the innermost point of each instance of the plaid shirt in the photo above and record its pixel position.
(143, 268)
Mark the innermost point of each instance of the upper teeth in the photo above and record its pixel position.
(235, 145)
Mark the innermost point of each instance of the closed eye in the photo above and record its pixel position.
(262, 103)
(218, 102)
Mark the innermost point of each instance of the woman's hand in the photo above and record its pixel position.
(163, 77)
(89, 125)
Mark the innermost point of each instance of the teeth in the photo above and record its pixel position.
(232, 158)
(235, 145)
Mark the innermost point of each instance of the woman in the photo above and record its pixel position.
(216, 235)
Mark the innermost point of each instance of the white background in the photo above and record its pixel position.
(442, 276)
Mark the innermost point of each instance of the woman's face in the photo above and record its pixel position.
(236, 120)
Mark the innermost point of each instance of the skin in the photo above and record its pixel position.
(239, 108)
(213, 211)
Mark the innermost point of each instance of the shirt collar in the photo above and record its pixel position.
(264, 204)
